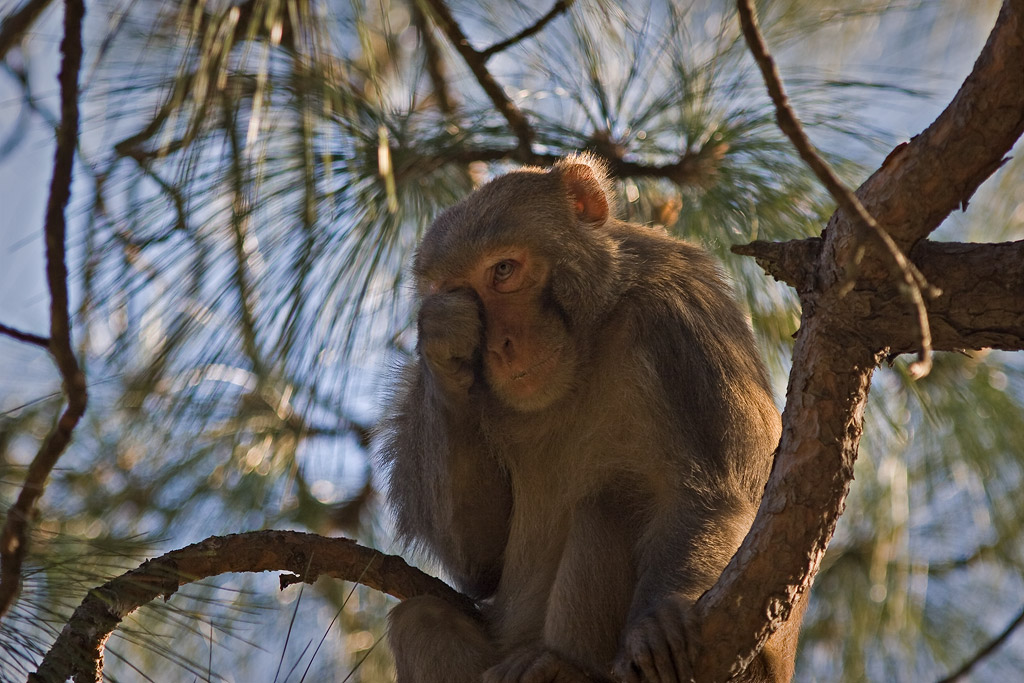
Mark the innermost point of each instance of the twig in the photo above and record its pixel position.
(789, 124)
(78, 650)
(240, 215)
(26, 337)
(477, 63)
(960, 673)
(14, 539)
(559, 7)
(434, 62)
(17, 23)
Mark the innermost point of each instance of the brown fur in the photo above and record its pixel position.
(583, 452)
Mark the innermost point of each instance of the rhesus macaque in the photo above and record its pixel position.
(582, 441)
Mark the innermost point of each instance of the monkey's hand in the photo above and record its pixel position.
(656, 647)
(450, 329)
(538, 665)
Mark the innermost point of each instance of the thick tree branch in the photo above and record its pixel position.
(832, 364)
(17, 23)
(477, 63)
(775, 565)
(980, 305)
(78, 650)
(14, 538)
(924, 180)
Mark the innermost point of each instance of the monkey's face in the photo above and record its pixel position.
(532, 247)
(526, 353)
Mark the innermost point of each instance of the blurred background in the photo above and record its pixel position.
(252, 178)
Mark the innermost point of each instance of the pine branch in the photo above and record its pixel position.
(559, 7)
(477, 63)
(16, 24)
(985, 651)
(914, 282)
(26, 337)
(14, 538)
(78, 650)
(240, 212)
(434, 62)
(692, 168)
(766, 581)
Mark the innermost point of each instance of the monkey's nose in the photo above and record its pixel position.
(505, 351)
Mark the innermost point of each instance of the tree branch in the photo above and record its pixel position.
(241, 212)
(477, 63)
(14, 538)
(78, 650)
(26, 337)
(434, 61)
(980, 305)
(832, 365)
(789, 124)
(988, 649)
(559, 7)
(938, 171)
(690, 169)
(17, 23)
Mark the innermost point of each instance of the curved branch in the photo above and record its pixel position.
(912, 279)
(78, 650)
(14, 538)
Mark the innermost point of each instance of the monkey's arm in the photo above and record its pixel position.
(726, 427)
(447, 493)
(447, 490)
(672, 577)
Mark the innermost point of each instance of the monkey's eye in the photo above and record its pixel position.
(503, 270)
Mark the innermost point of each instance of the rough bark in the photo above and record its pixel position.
(981, 304)
(917, 187)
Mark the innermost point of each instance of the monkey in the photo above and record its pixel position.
(581, 440)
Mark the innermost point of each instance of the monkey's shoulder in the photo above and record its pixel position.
(682, 313)
(655, 254)
(666, 277)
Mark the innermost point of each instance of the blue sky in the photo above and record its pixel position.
(24, 186)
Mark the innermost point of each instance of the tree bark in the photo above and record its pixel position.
(78, 650)
(835, 354)
(981, 304)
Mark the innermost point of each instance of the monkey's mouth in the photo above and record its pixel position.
(539, 365)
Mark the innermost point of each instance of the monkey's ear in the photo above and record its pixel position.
(586, 192)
